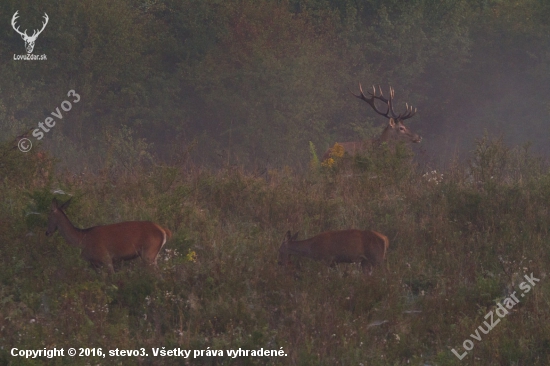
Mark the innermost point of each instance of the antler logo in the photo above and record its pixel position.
(29, 41)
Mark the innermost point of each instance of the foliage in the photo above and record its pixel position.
(253, 81)
(314, 161)
(181, 100)
(461, 240)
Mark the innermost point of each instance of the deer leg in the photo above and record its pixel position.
(95, 266)
(108, 261)
(367, 267)
(118, 264)
(150, 259)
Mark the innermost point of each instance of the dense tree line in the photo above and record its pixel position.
(252, 81)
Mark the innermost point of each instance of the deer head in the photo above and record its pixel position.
(396, 130)
(29, 40)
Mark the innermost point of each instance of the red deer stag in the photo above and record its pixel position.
(103, 245)
(346, 246)
(395, 130)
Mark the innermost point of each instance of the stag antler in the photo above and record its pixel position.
(370, 100)
(29, 41)
(46, 19)
(389, 102)
(13, 19)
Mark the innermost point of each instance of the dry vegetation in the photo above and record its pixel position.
(460, 239)
(181, 100)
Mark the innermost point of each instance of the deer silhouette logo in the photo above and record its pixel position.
(29, 40)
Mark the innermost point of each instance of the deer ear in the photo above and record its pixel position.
(288, 235)
(392, 123)
(294, 237)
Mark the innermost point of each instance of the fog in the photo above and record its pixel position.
(252, 83)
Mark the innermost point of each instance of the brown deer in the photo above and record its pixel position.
(346, 246)
(102, 245)
(395, 131)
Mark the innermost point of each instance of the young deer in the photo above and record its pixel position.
(346, 246)
(101, 245)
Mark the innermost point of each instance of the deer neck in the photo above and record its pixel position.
(69, 232)
(301, 248)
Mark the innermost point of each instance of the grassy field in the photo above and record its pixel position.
(461, 241)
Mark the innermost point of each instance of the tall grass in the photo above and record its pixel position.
(459, 241)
